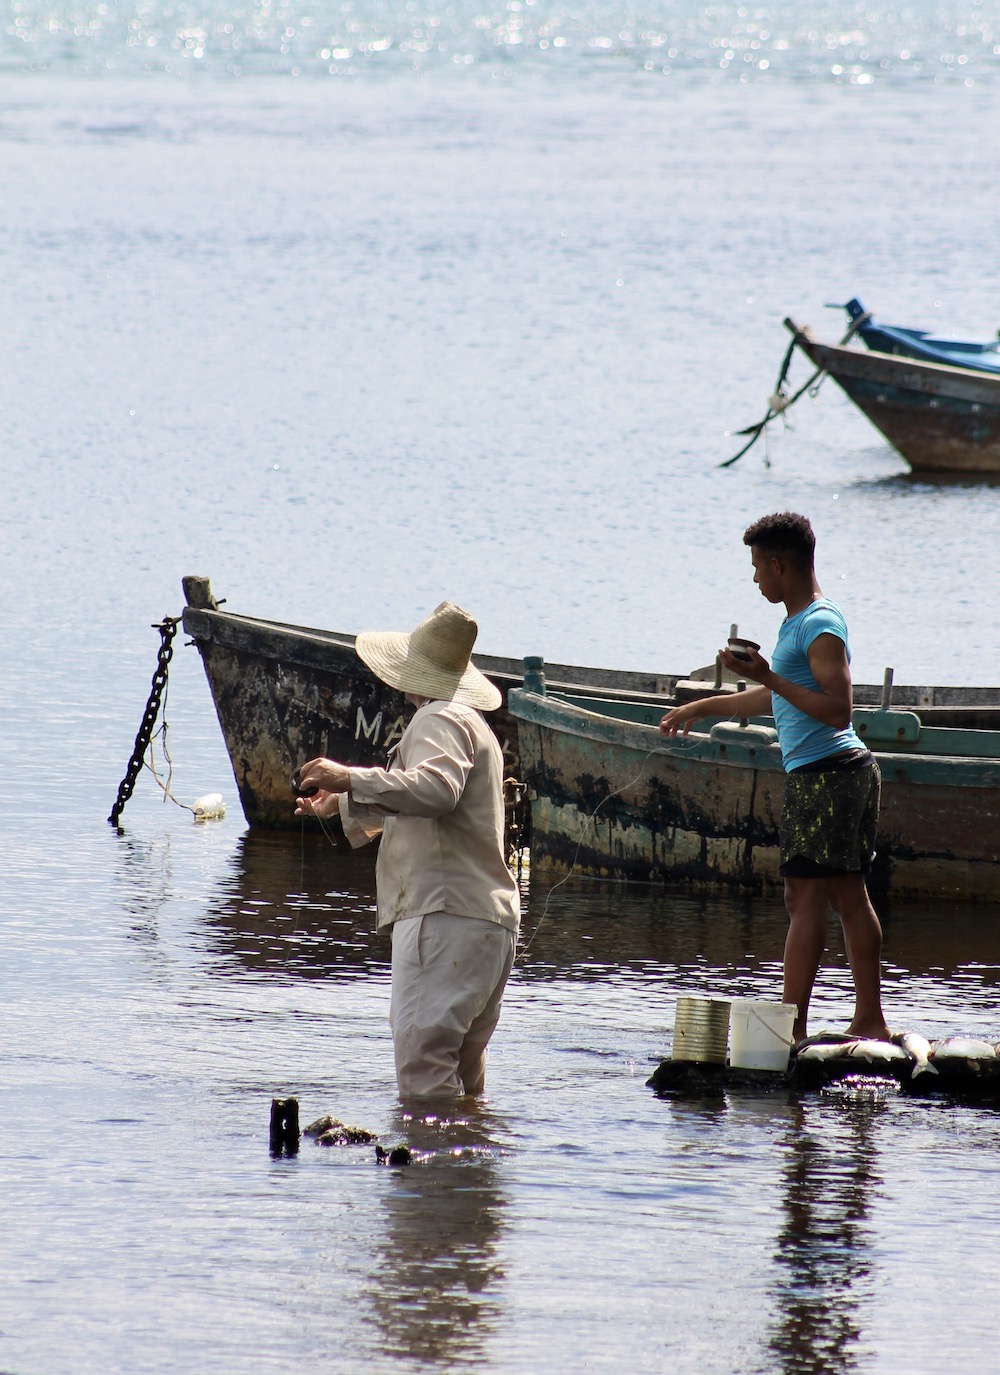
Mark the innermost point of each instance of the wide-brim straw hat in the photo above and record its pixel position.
(432, 661)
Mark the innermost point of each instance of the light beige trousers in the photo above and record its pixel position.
(448, 978)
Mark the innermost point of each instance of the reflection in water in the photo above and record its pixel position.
(292, 906)
(823, 1247)
(596, 928)
(712, 938)
(145, 876)
(899, 484)
(435, 1291)
(144, 871)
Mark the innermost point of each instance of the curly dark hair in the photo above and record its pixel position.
(786, 534)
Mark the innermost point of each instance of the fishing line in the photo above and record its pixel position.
(302, 875)
(681, 745)
(302, 861)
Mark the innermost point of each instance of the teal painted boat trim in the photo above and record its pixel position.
(611, 797)
(922, 754)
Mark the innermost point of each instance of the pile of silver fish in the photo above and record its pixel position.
(924, 1055)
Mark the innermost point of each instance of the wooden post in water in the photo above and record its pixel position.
(284, 1126)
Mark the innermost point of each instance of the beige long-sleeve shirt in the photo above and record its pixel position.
(439, 809)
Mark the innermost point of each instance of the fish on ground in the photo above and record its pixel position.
(857, 1049)
(918, 1048)
(823, 1049)
(963, 1048)
(874, 1051)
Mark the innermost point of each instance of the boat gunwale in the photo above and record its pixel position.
(224, 627)
(899, 370)
(727, 750)
(926, 347)
(229, 629)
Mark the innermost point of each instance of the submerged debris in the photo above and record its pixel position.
(399, 1155)
(328, 1131)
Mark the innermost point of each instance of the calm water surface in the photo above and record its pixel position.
(188, 974)
(466, 307)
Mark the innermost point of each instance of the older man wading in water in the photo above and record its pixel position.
(830, 807)
(442, 879)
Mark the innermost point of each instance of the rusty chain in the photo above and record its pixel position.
(167, 629)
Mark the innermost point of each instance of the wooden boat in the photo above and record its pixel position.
(976, 355)
(286, 693)
(940, 418)
(612, 798)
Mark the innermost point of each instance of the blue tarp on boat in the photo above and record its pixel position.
(921, 344)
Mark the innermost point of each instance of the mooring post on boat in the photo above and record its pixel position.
(284, 1134)
(534, 674)
(198, 592)
(741, 686)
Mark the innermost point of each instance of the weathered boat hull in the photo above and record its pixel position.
(940, 419)
(286, 693)
(614, 799)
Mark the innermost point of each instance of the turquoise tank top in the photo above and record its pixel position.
(802, 738)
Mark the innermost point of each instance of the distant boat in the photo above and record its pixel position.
(940, 418)
(921, 344)
(612, 798)
(286, 693)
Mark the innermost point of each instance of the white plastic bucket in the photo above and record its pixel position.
(700, 1029)
(760, 1034)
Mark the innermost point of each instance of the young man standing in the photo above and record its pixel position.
(831, 798)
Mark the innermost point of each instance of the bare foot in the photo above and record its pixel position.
(869, 1031)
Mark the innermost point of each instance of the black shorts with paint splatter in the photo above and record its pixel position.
(829, 816)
